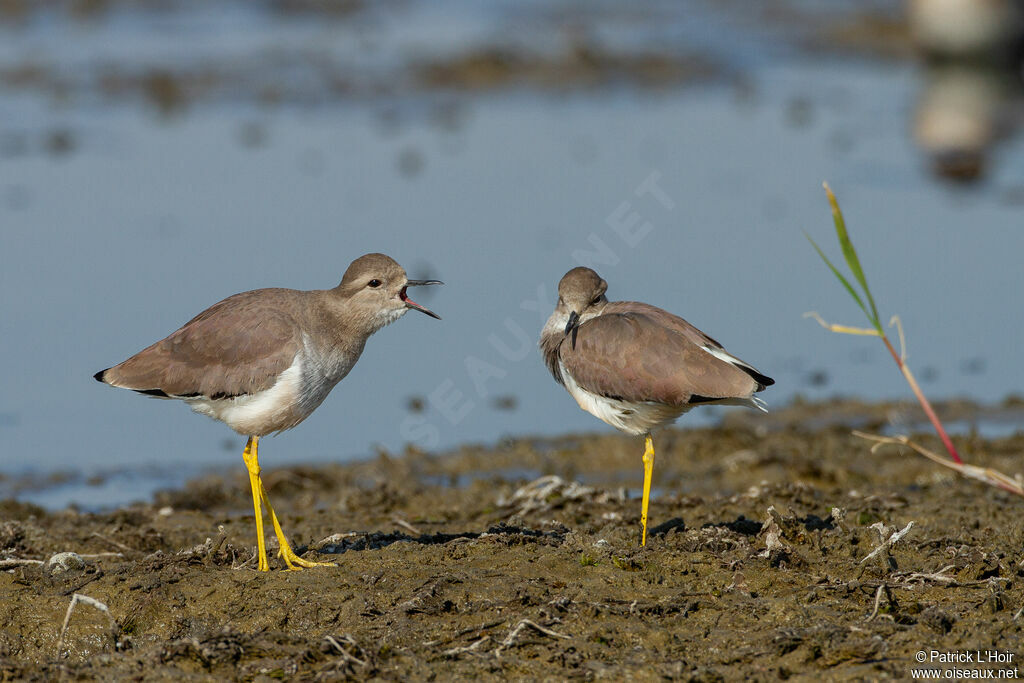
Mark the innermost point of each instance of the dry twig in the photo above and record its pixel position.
(984, 474)
(120, 546)
(519, 628)
(343, 652)
(940, 576)
(878, 601)
(332, 543)
(92, 602)
(252, 560)
(399, 522)
(472, 647)
(888, 542)
(13, 562)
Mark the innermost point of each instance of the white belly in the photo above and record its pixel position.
(258, 414)
(636, 418)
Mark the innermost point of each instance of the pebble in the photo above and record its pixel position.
(62, 562)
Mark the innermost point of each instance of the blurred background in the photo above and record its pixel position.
(159, 155)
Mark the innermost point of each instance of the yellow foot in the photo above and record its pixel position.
(648, 473)
(259, 499)
(294, 562)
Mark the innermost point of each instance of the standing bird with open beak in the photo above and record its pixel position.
(262, 361)
(636, 366)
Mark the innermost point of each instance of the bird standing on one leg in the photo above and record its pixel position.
(262, 361)
(636, 366)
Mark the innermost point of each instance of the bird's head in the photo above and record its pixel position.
(375, 285)
(580, 296)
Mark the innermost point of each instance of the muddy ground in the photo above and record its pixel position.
(466, 564)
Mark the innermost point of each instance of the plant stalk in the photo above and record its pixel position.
(946, 441)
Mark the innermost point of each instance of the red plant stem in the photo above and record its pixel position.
(946, 441)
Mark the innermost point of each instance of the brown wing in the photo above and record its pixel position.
(674, 322)
(633, 356)
(237, 346)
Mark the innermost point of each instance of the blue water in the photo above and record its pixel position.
(145, 220)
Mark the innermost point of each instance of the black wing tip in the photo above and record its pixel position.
(159, 393)
(763, 381)
(221, 395)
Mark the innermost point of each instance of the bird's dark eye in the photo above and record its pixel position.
(374, 283)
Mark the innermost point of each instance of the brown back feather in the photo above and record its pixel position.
(237, 346)
(639, 352)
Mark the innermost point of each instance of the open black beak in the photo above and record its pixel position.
(412, 304)
(573, 325)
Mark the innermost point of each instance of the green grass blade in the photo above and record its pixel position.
(852, 259)
(835, 271)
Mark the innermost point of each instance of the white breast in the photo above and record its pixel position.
(632, 417)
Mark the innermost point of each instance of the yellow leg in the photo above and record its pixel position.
(293, 561)
(259, 495)
(648, 472)
(252, 463)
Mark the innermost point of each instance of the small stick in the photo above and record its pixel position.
(344, 653)
(398, 521)
(984, 474)
(889, 542)
(468, 648)
(939, 576)
(842, 329)
(111, 542)
(482, 627)
(523, 624)
(878, 602)
(245, 564)
(16, 562)
(92, 602)
(335, 541)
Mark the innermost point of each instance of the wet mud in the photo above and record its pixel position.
(766, 560)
